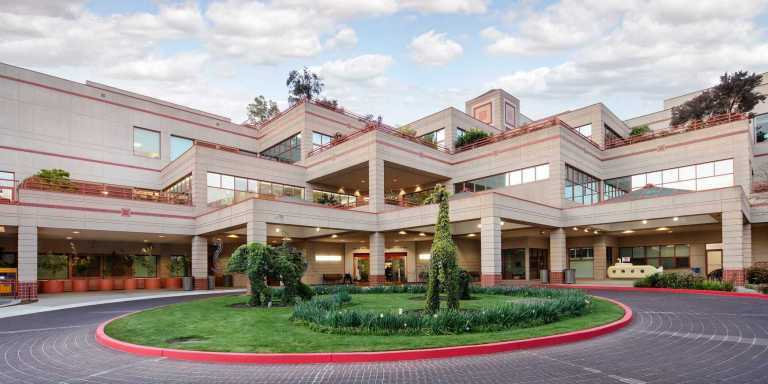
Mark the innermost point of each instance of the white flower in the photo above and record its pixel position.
(381, 315)
(399, 311)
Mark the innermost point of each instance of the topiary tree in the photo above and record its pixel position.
(291, 265)
(443, 271)
(255, 261)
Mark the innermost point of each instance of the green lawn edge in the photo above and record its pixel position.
(224, 329)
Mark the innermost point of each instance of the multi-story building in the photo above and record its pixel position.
(152, 181)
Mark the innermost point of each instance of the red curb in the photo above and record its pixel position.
(661, 290)
(363, 357)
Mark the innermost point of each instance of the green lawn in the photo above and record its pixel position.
(210, 325)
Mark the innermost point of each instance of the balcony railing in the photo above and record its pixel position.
(528, 128)
(677, 129)
(87, 188)
(759, 186)
(8, 194)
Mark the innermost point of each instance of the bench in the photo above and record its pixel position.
(333, 278)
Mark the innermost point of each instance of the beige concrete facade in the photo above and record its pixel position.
(382, 234)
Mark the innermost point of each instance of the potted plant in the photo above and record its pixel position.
(80, 281)
(106, 283)
(148, 263)
(53, 264)
(177, 267)
(119, 281)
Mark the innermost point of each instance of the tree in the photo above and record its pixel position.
(735, 93)
(443, 271)
(261, 110)
(303, 85)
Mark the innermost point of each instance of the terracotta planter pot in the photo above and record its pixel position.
(80, 285)
(152, 283)
(129, 284)
(52, 286)
(106, 284)
(173, 283)
(118, 284)
(93, 285)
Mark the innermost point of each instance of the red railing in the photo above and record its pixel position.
(8, 193)
(677, 129)
(760, 186)
(379, 127)
(527, 128)
(88, 188)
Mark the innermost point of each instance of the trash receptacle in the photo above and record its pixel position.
(544, 276)
(211, 282)
(227, 281)
(570, 276)
(188, 283)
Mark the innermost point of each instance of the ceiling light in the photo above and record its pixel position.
(161, 236)
(418, 188)
(479, 225)
(596, 232)
(146, 241)
(334, 236)
(233, 236)
(362, 181)
(675, 218)
(69, 237)
(503, 222)
(2, 228)
(317, 229)
(471, 235)
(628, 231)
(662, 228)
(75, 232)
(105, 193)
(645, 221)
(277, 230)
(402, 232)
(575, 228)
(341, 190)
(422, 234)
(586, 229)
(287, 239)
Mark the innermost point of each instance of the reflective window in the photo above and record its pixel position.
(179, 145)
(320, 140)
(333, 198)
(7, 182)
(698, 177)
(288, 150)
(669, 256)
(581, 187)
(585, 130)
(146, 143)
(460, 132)
(182, 186)
(519, 176)
(610, 134)
(760, 122)
(436, 137)
(225, 189)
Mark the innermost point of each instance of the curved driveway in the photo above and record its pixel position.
(673, 339)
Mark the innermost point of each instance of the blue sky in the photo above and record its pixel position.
(399, 59)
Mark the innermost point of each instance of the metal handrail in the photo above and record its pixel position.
(677, 129)
(88, 188)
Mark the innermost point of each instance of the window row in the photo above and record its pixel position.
(435, 137)
(698, 177)
(760, 122)
(667, 256)
(57, 266)
(581, 187)
(333, 198)
(287, 151)
(320, 140)
(7, 184)
(182, 186)
(516, 177)
(146, 143)
(226, 189)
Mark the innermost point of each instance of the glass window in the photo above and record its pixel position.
(714, 182)
(705, 170)
(723, 167)
(214, 179)
(638, 181)
(179, 145)
(580, 187)
(241, 184)
(7, 183)
(253, 186)
(144, 266)
(687, 173)
(669, 175)
(542, 172)
(529, 175)
(288, 150)
(146, 143)
(226, 189)
(515, 178)
(49, 266)
(526, 175)
(653, 178)
(436, 137)
(320, 139)
(227, 182)
(585, 130)
(182, 186)
(760, 122)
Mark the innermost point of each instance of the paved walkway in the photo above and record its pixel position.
(54, 302)
(674, 338)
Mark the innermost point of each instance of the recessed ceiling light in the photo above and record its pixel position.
(586, 229)
(645, 221)
(575, 228)
(75, 232)
(675, 218)
(471, 235)
(503, 222)
(146, 241)
(479, 225)
(317, 229)
(362, 181)
(277, 230)
(233, 236)
(105, 192)
(402, 232)
(161, 236)
(287, 239)
(69, 237)
(596, 232)
(628, 231)
(662, 228)
(422, 234)
(334, 236)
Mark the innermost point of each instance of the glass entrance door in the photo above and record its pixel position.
(538, 259)
(513, 264)
(362, 266)
(394, 267)
(714, 260)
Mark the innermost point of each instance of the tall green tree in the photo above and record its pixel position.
(261, 109)
(303, 85)
(735, 93)
(443, 270)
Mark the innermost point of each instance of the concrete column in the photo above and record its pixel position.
(527, 263)
(376, 185)
(200, 262)
(308, 189)
(27, 268)
(256, 232)
(376, 258)
(737, 246)
(599, 266)
(558, 255)
(490, 251)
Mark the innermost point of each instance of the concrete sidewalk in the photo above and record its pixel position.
(54, 302)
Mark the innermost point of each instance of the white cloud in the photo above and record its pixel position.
(174, 68)
(345, 37)
(364, 68)
(435, 49)
(446, 6)
(639, 50)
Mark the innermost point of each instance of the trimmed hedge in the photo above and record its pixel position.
(682, 281)
(757, 275)
(328, 314)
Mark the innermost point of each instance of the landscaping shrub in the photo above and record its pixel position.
(465, 280)
(682, 281)
(328, 314)
(640, 130)
(757, 275)
(471, 136)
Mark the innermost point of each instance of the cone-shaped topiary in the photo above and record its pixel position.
(443, 271)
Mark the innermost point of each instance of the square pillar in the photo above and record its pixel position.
(376, 259)
(490, 251)
(256, 232)
(376, 185)
(737, 246)
(600, 261)
(558, 255)
(200, 262)
(26, 290)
